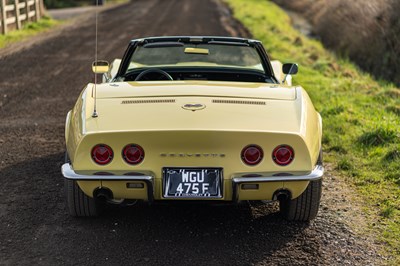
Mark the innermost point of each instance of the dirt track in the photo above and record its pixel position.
(39, 84)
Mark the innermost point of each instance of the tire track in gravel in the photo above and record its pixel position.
(40, 83)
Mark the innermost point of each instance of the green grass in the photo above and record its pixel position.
(361, 115)
(28, 30)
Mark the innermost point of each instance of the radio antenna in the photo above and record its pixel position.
(95, 114)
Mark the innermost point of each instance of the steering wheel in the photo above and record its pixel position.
(153, 70)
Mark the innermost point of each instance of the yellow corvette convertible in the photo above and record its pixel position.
(208, 119)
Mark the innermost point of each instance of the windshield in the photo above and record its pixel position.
(196, 55)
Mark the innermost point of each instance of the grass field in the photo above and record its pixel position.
(361, 115)
(28, 30)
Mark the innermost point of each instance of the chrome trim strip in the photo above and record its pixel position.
(69, 173)
(316, 174)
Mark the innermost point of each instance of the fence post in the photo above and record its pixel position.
(17, 19)
(37, 10)
(27, 10)
(42, 9)
(3, 16)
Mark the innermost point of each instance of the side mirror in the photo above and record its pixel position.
(100, 67)
(290, 68)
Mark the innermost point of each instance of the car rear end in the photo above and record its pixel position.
(232, 149)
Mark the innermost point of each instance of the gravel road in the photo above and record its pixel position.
(40, 82)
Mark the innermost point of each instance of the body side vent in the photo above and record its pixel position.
(147, 101)
(239, 102)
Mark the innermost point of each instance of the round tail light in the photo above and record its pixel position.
(102, 154)
(252, 154)
(283, 155)
(133, 154)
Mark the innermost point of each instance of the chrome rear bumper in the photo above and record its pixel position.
(316, 174)
(69, 173)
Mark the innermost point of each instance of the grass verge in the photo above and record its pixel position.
(28, 30)
(361, 115)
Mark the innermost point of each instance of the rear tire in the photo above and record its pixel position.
(305, 207)
(78, 203)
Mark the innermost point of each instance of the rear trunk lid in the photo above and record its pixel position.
(195, 106)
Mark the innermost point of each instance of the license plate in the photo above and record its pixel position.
(192, 182)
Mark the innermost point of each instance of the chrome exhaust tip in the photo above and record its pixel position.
(103, 194)
(282, 195)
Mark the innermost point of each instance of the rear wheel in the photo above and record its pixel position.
(78, 203)
(305, 207)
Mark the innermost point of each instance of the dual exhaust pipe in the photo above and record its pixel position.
(104, 194)
(282, 195)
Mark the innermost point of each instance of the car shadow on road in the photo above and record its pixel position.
(219, 235)
(156, 234)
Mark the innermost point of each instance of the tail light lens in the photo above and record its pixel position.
(283, 155)
(102, 154)
(133, 154)
(252, 154)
